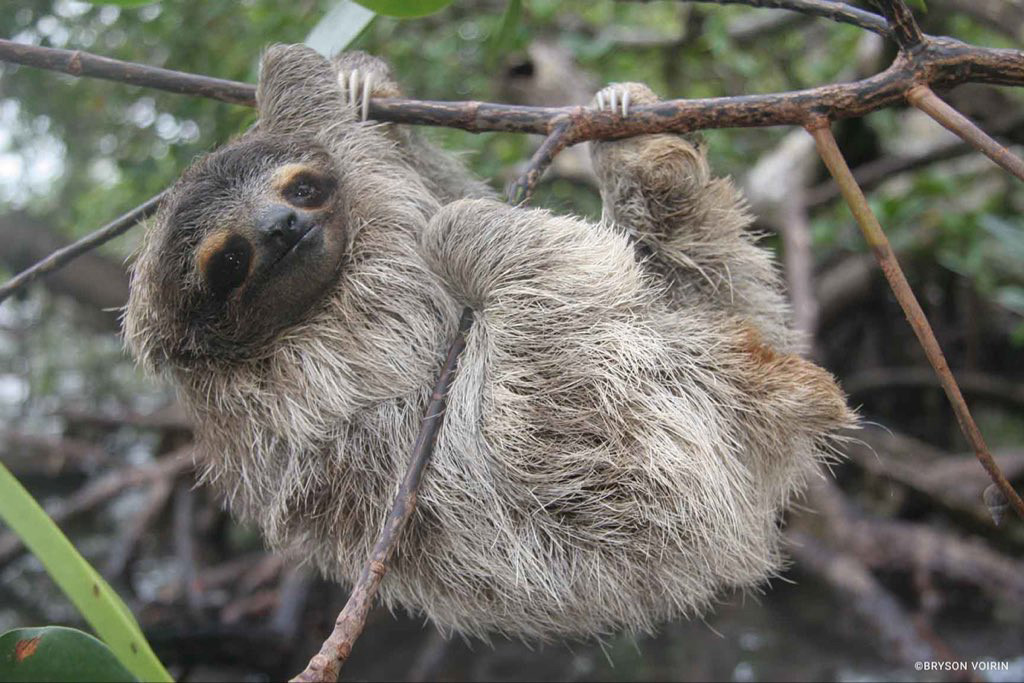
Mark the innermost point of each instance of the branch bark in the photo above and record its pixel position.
(940, 62)
(902, 24)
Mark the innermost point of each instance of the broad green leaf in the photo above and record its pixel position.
(98, 603)
(339, 27)
(57, 653)
(405, 8)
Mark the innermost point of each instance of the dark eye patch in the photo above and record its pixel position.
(306, 190)
(227, 266)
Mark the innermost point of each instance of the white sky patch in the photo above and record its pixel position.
(34, 168)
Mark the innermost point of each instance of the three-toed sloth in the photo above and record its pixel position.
(628, 418)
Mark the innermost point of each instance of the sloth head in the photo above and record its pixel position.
(247, 242)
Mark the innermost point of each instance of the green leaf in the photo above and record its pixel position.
(98, 603)
(57, 653)
(405, 9)
(503, 38)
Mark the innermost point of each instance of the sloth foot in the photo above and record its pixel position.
(357, 89)
(618, 97)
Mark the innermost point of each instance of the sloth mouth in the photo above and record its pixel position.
(299, 244)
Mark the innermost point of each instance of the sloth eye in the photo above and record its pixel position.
(227, 268)
(306, 191)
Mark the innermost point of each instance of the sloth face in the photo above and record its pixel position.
(250, 239)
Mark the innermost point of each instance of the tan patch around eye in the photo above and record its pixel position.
(209, 247)
(284, 175)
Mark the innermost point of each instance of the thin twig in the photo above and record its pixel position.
(79, 63)
(326, 664)
(905, 30)
(922, 97)
(836, 11)
(75, 249)
(879, 243)
(519, 192)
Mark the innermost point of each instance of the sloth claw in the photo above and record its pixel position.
(356, 91)
(614, 98)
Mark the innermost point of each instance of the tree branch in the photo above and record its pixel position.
(79, 63)
(879, 243)
(836, 11)
(941, 62)
(75, 249)
(922, 97)
(905, 30)
(326, 664)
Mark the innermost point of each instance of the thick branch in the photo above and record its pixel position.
(940, 62)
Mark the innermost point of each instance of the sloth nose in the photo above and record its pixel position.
(283, 225)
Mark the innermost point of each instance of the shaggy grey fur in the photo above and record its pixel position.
(622, 433)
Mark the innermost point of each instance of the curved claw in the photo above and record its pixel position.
(367, 89)
(357, 90)
(353, 86)
(614, 99)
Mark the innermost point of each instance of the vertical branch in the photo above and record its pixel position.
(922, 97)
(902, 24)
(326, 665)
(796, 250)
(879, 243)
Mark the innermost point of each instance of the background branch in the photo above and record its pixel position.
(879, 243)
(836, 11)
(902, 24)
(63, 256)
